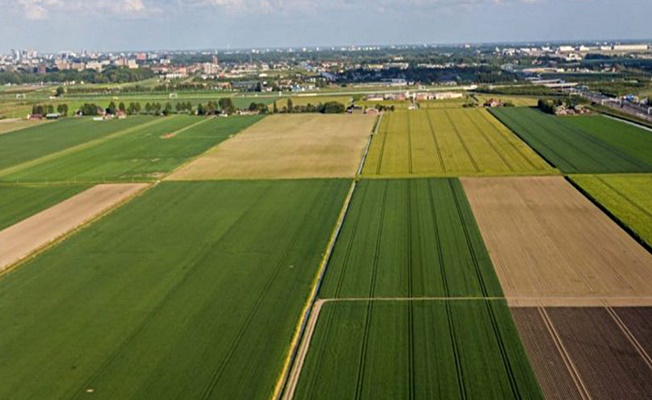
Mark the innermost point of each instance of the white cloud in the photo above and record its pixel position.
(43, 9)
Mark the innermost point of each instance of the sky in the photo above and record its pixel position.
(59, 25)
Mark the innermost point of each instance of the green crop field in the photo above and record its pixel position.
(410, 238)
(627, 197)
(39, 141)
(452, 142)
(416, 350)
(192, 290)
(572, 148)
(144, 154)
(631, 140)
(18, 203)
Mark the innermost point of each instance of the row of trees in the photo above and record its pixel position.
(108, 75)
(330, 107)
(40, 109)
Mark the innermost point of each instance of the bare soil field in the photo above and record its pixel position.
(24, 238)
(555, 245)
(287, 146)
(639, 323)
(587, 352)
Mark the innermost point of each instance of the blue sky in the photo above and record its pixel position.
(49, 25)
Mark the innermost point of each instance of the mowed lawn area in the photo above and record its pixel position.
(627, 197)
(416, 350)
(287, 146)
(593, 144)
(448, 143)
(143, 154)
(18, 203)
(410, 238)
(192, 290)
(38, 141)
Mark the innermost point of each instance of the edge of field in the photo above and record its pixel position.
(622, 224)
(58, 240)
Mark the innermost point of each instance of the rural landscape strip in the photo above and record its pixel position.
(75, 149)
(26, 237)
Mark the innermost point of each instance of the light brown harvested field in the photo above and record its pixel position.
(554, 372)
(287, 146)
(586, 352)
(24, 238)
(609, 364)
(10, 125)
(547, 241)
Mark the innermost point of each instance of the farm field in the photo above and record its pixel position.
(142, 155)
(416, 349)
(597, 353)
(462, 142)
(632, 140)
(438, 104)
(38, 141)
(518, 101)
(410, 238)
(287, 146)
(568, 144)
(627, 197)
(18, 203)
(31, 234)
(554, 243)
(199, 299)
(10, 125)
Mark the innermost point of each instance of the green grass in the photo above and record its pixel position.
(416, 350)
(448, 142)
(410, 238)
(39, 141)
(18, 203)
(631, 140)
(627, 197)
(573, 148)
(144, 154)
(191, 291)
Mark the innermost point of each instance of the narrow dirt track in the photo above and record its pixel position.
(24, 238)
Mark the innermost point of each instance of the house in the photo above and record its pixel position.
(35, 117)
(53, 116)
(493, 103)
(371, 111)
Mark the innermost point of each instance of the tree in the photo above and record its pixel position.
(59, 92)
(62, 109)
(122, 107)
(131, 110)
(179, 107)
(111, 108)
(275, 108)
(333, 107)
(168, 109)
(200, 109)
(226, 105)
(148, 108)
(290, 105)
(50, 109)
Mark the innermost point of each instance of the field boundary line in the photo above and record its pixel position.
(638, 239)
(307, 309)
(374, 132)
(79, 147)
(565, 356)
(636, 124)
(630, 336)
(56, 241)
(366, 299)
(433, 134)
(462, 143)
(491, 143)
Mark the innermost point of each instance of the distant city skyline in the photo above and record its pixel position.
(103, 25)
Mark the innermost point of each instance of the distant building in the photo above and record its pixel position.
(630, 47)
(448, 95)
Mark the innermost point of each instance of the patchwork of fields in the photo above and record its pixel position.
(574, 145)
(263, 264)
(288, 146)
(448, 143)
(145, 153)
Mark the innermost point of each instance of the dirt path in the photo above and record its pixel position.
(24, 238)
(297, 366)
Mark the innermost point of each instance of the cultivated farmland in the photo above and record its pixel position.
(416, 349)
(192, 290)
(287, 146)
(18, 203)
(568, 144)
(410, 238)
(16, 124)
(599, 353)
(38, 141)
(448, 143)
(144, 154)
(548, 241)
(627, 197)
